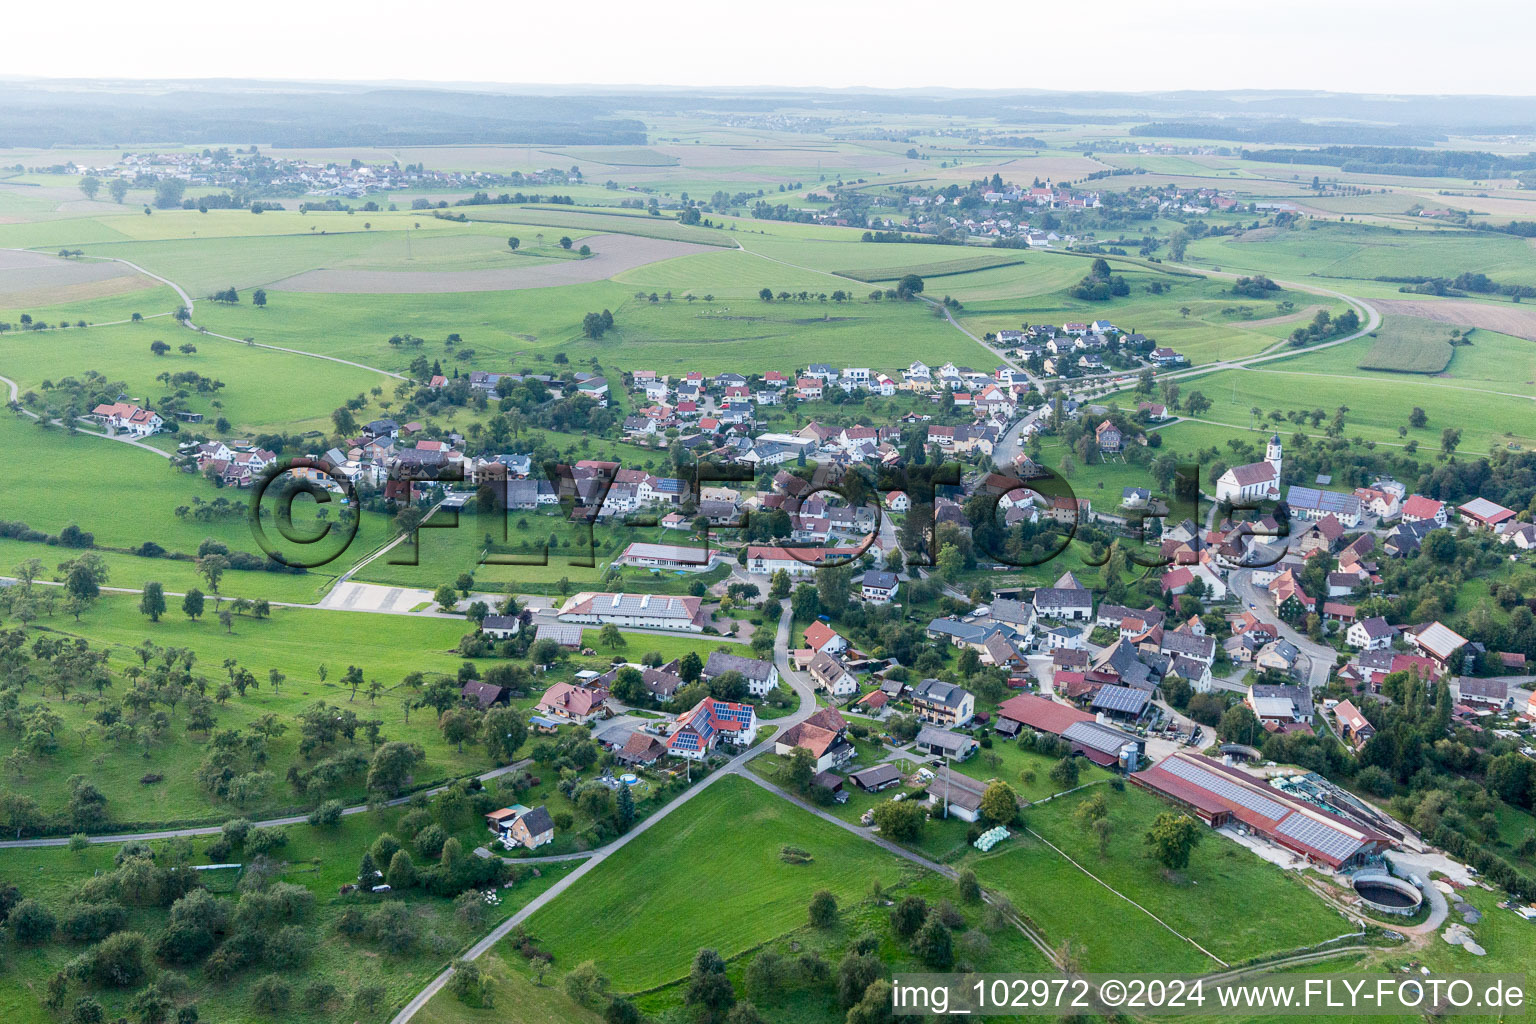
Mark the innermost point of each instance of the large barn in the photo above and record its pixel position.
(1222, 795)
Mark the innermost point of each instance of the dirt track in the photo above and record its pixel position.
(40, 279)
(612, 254)
(1505, 318)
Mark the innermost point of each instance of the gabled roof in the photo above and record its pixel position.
(1041, 713)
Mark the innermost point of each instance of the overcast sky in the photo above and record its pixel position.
(1372, 46)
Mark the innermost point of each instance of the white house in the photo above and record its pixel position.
(1372, 634)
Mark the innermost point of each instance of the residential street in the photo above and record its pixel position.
(1320, 656)
(732, 767)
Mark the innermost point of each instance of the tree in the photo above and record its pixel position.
(271, 994)
(902, 821)
(621, 1011)
(470, 985)
(708, 987)
(1418, 418)
(907, 916)
(503, 732)
(152, 601)
(458, 724)
(874, 1007)
(743, 1013)
(968, 887)
(259, 297)
(118, 961)
(998, 803)
(192, 603)
(1103, 828)
(514, 242)
(823, 909)
(402, 872)
(565, 241)
(909, 285)
(802, 768)
(1065, 772)
(855, 973)
(1173, 837)
(611, 637)
(158, 347)
(446, 597)
(212, 568)
(392, 766)
(82, 584)
(1240, 725)
(834, 587)
(767, 972)
(933, 943)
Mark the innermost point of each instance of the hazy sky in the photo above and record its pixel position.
(1375, 46)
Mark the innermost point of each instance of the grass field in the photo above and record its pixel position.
(643, 912)
(943, 268)
(1409, 346)
(1208, 903)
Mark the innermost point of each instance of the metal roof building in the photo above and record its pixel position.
(1221, 795)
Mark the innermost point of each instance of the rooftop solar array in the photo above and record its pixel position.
(1097, 737)
(1320, 835)
(1121, 698)
(1224, 787)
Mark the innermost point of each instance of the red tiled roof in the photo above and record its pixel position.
(1041, 713)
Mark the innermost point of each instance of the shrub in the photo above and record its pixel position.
(271, 994)
(429, 841)
(907, 916)
(92, 922)
(118, 962)
(823, 909)
(31, 922)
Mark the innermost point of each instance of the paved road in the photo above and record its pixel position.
(15, 390)
(1321, 656)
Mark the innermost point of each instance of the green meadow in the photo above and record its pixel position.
(642, 912)
(1209, 902)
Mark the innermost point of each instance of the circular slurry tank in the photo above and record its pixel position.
(1388, 895)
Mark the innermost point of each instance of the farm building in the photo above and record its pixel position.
(1222, 795)
(675, 557)
(954, 795)
(643, 611)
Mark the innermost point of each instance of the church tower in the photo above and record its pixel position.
(1272, 455)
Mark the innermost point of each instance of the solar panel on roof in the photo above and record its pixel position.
(1320, 835)
(1096, 736)
(1121, 698)
(1223, 787)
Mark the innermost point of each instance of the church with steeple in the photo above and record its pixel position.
(1257, 481)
